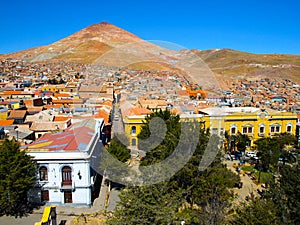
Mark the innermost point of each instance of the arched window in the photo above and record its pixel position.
(233, 129)
(289, 128)
(133, 130)
(262, 130)
(66, 175)
(43, 172)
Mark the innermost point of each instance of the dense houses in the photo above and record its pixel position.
(63, 114)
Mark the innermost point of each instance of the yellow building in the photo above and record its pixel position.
(254, 122)
(3, 113)
(133, 119)
(54, 88)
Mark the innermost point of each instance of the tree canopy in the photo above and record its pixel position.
(17, 177)
(199, 197)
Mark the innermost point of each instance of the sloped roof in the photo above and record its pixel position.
(103, 114)
(61, 118)
(4, 123)
(49, 126)
(139, 111)
(75, 138)
(17, 114)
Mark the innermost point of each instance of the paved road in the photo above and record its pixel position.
(113, 199)
(248, 185)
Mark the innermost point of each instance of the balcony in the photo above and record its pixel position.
(66, 182)
(67, 185)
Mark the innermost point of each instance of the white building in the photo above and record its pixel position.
(67, 163)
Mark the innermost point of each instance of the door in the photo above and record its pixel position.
(45, 196)
(68, 196)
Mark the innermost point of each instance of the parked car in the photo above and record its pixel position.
(251, 155)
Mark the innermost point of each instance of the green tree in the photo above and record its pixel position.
(268, 151)
(239, 140)
(193, 195)
(113, 160)
(17, 177)
(155, 204)
(118, 150)
(286, 195)
(168, 143)
(257, 212)
(242, 141)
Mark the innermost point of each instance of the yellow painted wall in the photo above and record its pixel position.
(220, 124)
(255, 120)
(3, 115)
(137, 121)
(53, 89)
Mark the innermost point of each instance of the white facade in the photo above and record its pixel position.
(66, 175)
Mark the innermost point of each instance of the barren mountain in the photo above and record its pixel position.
(235, 64)
(107, 44)
(84, 46)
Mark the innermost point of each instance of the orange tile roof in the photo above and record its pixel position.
(61, 95)
(56, 106)
(61, 118)
(28, 102)
(16, 93)
(108, 103)
(17, 114)
(66, 101)
(139, 111)
(5, 123)
(104, 115)
(11, 92)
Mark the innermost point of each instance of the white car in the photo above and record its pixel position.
(251, 154)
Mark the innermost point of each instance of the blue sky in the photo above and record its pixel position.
(255, 26)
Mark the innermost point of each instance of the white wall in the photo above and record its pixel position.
(81, 193)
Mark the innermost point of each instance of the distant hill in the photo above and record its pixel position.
(107, 44)
(84, 46)
(235, 64)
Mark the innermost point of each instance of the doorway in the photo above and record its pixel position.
(68, 196)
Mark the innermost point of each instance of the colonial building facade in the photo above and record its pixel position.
(67, 163)
(254, 122)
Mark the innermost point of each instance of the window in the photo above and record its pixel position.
(233, 130)
(289, 128)
(261, 130)
(247, 130)
(133, 130)
(43, 172)
(250, 130)
(275, 128)
(66, 175)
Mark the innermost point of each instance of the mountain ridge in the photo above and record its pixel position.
(105, 42)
